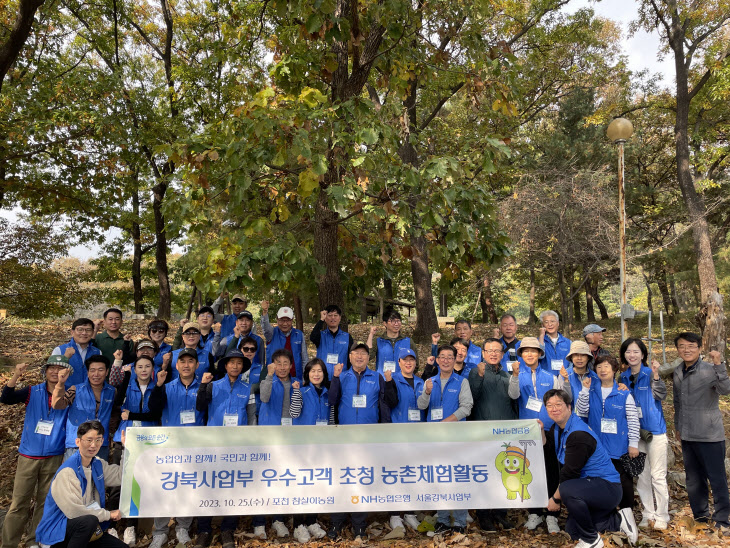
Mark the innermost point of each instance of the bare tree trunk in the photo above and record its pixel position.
(298, 311)
(426, 322)
(661, 281)
(532, 318)
(563, 299)
(191, 302)
(388, 287)
(597, 297)
(577, 317)
(649, 303)
(137, 255)
(673, 293)
(443, 305)
(164, 307)
(325, 248)
(590, 311)
(489, 312)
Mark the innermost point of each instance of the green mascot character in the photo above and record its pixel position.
(516, 475)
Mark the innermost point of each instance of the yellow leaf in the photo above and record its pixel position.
(308, 181)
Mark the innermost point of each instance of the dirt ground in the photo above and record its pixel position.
(32, 342)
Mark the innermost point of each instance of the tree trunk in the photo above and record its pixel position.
(137, 255)
(164, 308)
(599, 302)
(388, 287)
(563, 299)
(649, 303)
(17, 37)
(443, 305)
(532, 318)
(426, 322)
(489, 313)
(325, 249)
(590, 310)
(577, 317)
(661, 281)
(298, 311)
(673, 293)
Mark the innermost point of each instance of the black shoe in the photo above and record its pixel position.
(702, 519)
(202, 541)
(457, 529)
(487, 525)
(362, 533)
(506, 524)
(227, 540)
(441, 529)
(334, 532)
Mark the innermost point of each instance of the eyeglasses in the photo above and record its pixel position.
(84, 330)
(89, 441)
(156, 330)
(190, 333)
(206, 316)
(492, 351)
(447, 358)
(554, 405)
(395, 320)
(248, 349)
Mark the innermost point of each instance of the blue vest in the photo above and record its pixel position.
(136, 403)
(556, 352)
(164, 349)
(181, 398)
(505, 357)
(278, 340)
(614, 407)
(229, 400)
(270, 411)
(370, 387)
(84, 409)
(446, 397)
(52, 528)
(228, 323)
(651, 416)
(330, 344)
(80, 374)
(544, 381)
(388, 352)
(259, 341)
(315, 407)
(38, 408)
(407, 397)
(203, 365)
(576, 384)
(207, 344)
(599, 465)
(473, 355)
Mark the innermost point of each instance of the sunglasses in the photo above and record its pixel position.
(156, 330)
(248, 349)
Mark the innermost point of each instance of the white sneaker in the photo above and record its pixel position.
(158, 541)
(660, 524)
(182, 535)
(533, 520)
(411, 521)
(260, 532)
(628, 525)
(316, 531)
(469, 519)
(552, 525)
(598, 543)
(301, 534)
(113, 532)
(280, 528)
(130, 537)
(396, 521)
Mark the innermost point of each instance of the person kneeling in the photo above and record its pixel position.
(74, 514)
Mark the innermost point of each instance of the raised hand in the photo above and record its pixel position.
(236, 331)
(166, 360)
(496, 333)
(127, 368)
(271, 369)
(388, 374)
(374, 329)
(295, 385)
(322, 315)
(118, 355)
(63, 375)
(338, 369)
(264, 307)
(207, 377)
(587, 381)
(481, 368)
(428, 387)
(542, 333)
(20, 368)
(216, 327)
(69, 352)
(431, 360)
(564, 372)
(516, 368)
(435, 338)
(97, 325)
(183, 322)
(125, 414)
(161, 376)
(714, 355)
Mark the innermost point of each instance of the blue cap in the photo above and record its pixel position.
(405, 352)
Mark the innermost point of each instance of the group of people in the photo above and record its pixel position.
(601, 416)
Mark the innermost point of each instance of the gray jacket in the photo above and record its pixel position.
(697, 414)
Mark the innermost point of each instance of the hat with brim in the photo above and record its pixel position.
(403, 353)
(191, 326)
(593, 328)
(59, 360)
(360, 344)
(188, 352)
(579, 347)
(285, 312)
(239, 297)
(234, 353)
(245, 314)
(530, 342)
(146, 343)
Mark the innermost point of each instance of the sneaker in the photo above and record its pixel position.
(506, 524)
(202, 541)
(260, 532)
(533, 520)
(360, 533)
(411, 521)
(628, 525)
(660, 524)
(316, 531)
(182, 535)
(158, 541)
(280, 528)
(598, 543)
(301, 534)
(227, 540)
(334, 532)
(487, 525)
(396, 521)
(456, 529)
(552, 525)
(130, 536)
(113, 532)
(469, 519)
(441, 529)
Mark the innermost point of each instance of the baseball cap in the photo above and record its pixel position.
(239, 297)
(359, 344)
(191, 326)
(188, 352)
(405, 352)
(146, 343)
(285, 312)
(593, 328)
(245, 314)
(57, 360)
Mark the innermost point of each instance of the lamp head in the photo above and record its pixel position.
(620, 130)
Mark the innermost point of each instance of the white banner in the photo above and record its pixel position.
(214, 471)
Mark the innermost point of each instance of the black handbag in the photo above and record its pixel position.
(633, 467)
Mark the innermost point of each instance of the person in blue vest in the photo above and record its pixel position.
(176, 403)
(157, 332)
(556, 346)
(143, 348)
(649, 390)
(332, 343)
(204, 319)
(239, 303)
(387, 347)
(41, 448)
(578, 370)
(74, 515)
(462, 331)
(507, 335)
(589, 487)
(228, 402)
(612, 414)
(310, 406)
(284, 336)
(402, 390)
(461, 366)
(447, 398)
(528, 385)
(92, 399)
(243, 328)
(358, 395)
(78, 349)
(191, 340)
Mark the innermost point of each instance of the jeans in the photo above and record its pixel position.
(459, 517)
(703, 462)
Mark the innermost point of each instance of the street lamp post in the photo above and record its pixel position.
(619, 132)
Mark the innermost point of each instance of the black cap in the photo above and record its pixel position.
(359, 344)
(235, 353)
(188, 352)
(245, 314)
(207, 309)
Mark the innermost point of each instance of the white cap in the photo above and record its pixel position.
(285, 312)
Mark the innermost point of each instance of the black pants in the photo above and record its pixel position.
(705, 461)
(552, 475)
(591, 504)
(79, 532)
(304, 519)
(229, 523)
(359, 520)
(627, 485)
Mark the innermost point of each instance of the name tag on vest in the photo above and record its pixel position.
(609, 426)
(44, 428)
(359, 401)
